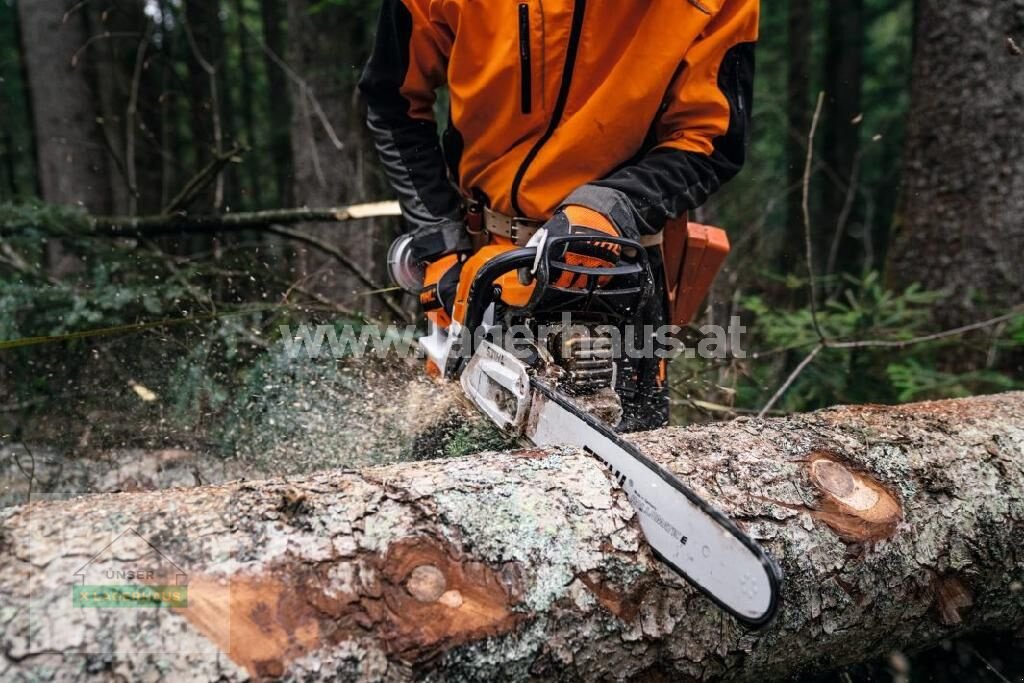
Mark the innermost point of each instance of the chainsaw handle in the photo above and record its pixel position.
(633, 263)
(481, 291)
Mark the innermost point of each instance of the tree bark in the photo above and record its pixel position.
(71, 156)
(959, 224)
(895, 527)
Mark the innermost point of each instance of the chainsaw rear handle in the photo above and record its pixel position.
(633, 267)
(482, 291)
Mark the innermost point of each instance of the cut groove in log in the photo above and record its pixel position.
(503, 567)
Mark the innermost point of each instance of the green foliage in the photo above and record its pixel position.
(864, 310)
(913, 379)
(34, 222)
(121, 287)
(108, 285)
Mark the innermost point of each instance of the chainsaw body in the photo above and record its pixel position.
(518, 301)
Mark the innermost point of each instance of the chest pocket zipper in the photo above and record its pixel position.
(525, 60)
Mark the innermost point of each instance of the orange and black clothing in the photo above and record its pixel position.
(638, 109)
(634, 109)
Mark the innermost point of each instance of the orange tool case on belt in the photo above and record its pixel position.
(693, 255)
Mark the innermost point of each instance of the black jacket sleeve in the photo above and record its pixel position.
(700, 139)
(408, 64)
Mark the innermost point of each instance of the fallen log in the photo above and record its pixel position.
(59, 221)
(182, 222)
(895, 527)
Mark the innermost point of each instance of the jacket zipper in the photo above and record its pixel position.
(563, 95)
(738, 82)
(525, 67)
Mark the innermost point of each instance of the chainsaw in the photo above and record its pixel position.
(556, 386)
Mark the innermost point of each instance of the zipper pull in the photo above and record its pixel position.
(700, 6)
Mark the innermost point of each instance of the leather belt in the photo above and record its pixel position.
(520, 230)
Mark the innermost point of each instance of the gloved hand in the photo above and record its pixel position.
(440, 283)
(579, 220)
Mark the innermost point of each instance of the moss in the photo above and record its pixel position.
(476, 436)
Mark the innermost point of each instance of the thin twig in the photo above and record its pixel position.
(346, 261)
(987, 664)
(823, 341)
(305, 90)
(789, 380)
(130, 125)
(901, 343)
(809, 249)
(106, 35)
(74, 8)
(31, 474)
(211, 72)
(844, 215)
(324, 301)
(202, 180)
(886, 343)
(807, 216)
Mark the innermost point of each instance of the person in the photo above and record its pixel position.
(608, 116)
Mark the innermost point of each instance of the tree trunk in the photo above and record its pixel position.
(800, 26)
(208, 94)
(960, 225)
(250, 194)
(15, 111)
(272, 15)
(842, 248)
(895, 527)
(71, 156)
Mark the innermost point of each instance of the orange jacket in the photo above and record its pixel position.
(638, 109)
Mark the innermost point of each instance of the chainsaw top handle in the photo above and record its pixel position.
(614, 292)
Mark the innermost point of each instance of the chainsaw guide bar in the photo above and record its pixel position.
(685, 532)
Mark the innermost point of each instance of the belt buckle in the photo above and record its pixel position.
(515, 225)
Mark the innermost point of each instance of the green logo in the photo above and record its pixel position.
(130, 572)
(129, 596)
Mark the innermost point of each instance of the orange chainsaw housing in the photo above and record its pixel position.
(513, 292)
(693, 255)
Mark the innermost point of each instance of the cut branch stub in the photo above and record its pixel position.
(852, 503)
(434, 599)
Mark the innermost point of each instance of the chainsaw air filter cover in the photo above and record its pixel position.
(405, 271)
